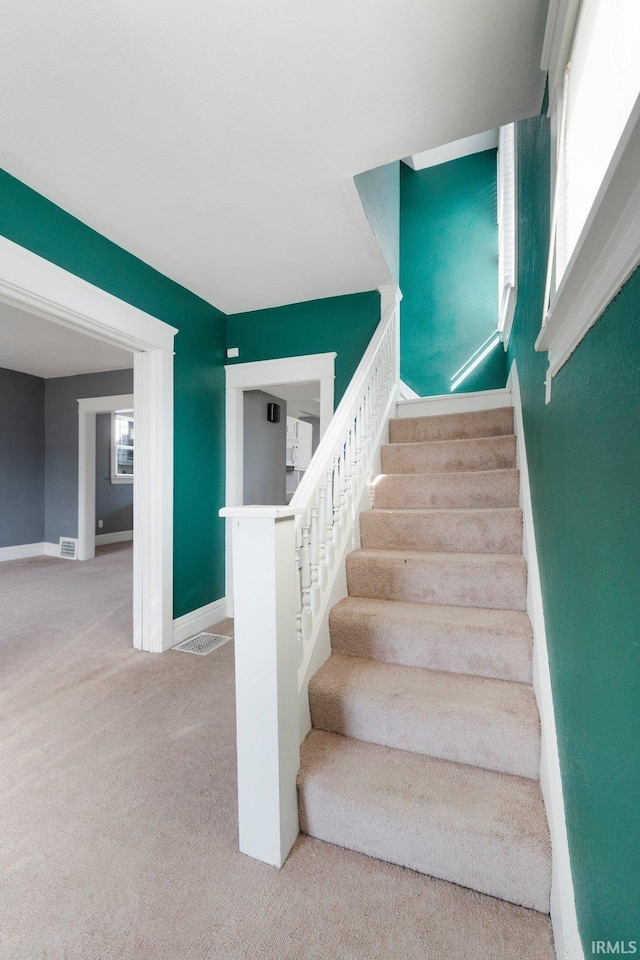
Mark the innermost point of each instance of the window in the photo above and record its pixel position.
(602, 84)
(122, 432)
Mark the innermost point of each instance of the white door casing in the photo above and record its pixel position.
(260, 375)
(32, 283)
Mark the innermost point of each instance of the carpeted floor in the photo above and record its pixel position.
(118, 809)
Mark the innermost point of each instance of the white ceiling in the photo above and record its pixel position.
(302, 398)
(42, 348)
(217, 139)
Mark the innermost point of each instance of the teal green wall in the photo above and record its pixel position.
(449, 274)
(379, 191)
(584, 462)
(32, 221)
(344, 324)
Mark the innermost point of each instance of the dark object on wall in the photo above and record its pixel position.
(273, 412)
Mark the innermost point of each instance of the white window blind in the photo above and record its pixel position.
(603, 85)
(506, 224)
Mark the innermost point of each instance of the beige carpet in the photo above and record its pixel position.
(118, 810)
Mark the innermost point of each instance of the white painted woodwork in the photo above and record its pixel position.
(453, 150)
(263, 375)
(563, 910)
(288, 570)
(268, 747)
(31, 283)
(218, 141)
(454, 403)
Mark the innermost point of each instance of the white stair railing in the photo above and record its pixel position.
(285, 564)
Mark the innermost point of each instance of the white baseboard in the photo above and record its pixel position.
(22, 551)
(120, 536)
(563, 909)
(51, 549)
(191, 623)
(454, 403)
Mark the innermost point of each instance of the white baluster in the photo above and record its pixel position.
(337, 515)
(315, 558)
(343, 488)
(305, 578)
(322, 539)
(329, 522)
(298, 583)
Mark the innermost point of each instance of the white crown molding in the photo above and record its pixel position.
(606, 255)
(563, 910)
(198, 620)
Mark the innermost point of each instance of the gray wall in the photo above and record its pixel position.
(61, 444)
(264, 450)
(379, 191)
(114, 501)
(21, 458)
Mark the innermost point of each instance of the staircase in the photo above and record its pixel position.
(425, 745)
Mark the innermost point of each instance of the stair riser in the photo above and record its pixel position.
(450, 647)
(499, 586)
(510, 747)
(481, 423)
(491, 865)
(494, 453)
(447, 491)
(453, 532)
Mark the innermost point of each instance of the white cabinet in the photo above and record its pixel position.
(299, 442)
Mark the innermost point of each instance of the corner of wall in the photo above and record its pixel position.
(563, 909)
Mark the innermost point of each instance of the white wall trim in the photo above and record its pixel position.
(260, 375)
(406, 392)
(21, 551)
(606, 255)
(31, 283)
(562, 17)
(563, 910)
(51, 549)
(454, 403)
(118, 536)
(198, 620)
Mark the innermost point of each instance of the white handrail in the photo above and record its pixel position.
(333, 484)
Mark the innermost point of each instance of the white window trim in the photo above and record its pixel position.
(509, 293)
(608, 249)
(115, 476)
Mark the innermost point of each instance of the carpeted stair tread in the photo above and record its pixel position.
(445, 456)
(474, 640)
(473, 827)
(492, 724)
(495, 530)
(452, 426)
(474, 488)
(456, 579)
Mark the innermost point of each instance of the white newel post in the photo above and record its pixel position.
(266, 656)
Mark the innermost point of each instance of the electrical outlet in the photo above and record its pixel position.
(100, 524)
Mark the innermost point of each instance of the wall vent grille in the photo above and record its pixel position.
(203, 643)
(68, 548)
